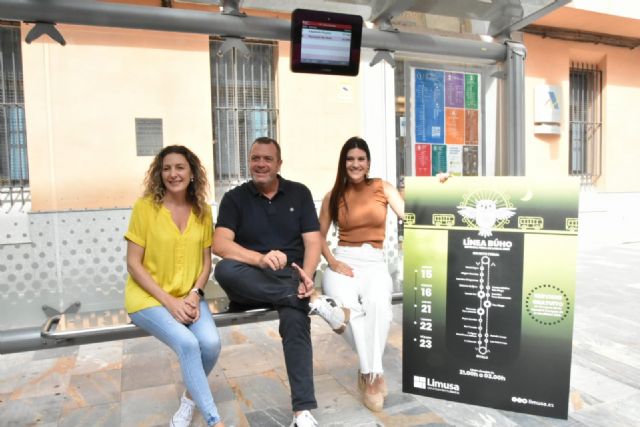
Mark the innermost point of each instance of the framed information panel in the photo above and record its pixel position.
(489, 268)
(445, 121)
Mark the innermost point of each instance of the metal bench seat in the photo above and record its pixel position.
(109, 325)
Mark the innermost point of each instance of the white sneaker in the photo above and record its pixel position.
(337, 317)
(304, 419)
(184, 414)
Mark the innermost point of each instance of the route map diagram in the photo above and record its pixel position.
(483, 304)
(477, 281)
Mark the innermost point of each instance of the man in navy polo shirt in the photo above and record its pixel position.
(267, 233)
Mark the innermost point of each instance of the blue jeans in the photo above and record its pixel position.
(197, 346)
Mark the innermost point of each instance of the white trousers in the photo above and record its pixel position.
(368, 295)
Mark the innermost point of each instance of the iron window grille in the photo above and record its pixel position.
(585, 119)
(14, 168)
(243, 98)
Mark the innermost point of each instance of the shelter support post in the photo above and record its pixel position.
(512, 158)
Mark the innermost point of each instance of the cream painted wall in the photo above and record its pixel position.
(548, 62)
(81, 102)
(624, 8)
(317, 114)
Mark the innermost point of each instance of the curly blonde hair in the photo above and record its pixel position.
(196, 191)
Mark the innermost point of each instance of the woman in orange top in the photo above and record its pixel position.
(169, 262)
(357, 277)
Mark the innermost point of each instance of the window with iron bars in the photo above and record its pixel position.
(244, 108)
(14, 171)
(585, 131)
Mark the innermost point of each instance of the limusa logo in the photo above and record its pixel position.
(452, 388)
(486, 210)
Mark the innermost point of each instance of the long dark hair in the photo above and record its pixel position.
(340, 186)
(197, 189)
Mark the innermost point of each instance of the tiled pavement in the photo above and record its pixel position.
(138, 382)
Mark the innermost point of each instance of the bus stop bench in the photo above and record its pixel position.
(114, 324)
(109, 325)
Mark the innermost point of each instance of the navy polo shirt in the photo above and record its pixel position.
(263, 225)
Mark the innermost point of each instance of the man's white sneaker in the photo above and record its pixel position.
(304, 419)
(184, 414)
(337, 317)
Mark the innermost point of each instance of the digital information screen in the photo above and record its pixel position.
(325, 43)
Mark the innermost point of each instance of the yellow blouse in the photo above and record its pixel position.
(173, 259)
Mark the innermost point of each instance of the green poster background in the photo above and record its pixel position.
(489, 291)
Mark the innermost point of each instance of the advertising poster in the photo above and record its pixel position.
(423, 159)
(454, 90)
(454, 126)
(471, 127)
(438, 159)
(454, 157)
(471, 91)
(490, 267)
(429, 102)
(470, 160)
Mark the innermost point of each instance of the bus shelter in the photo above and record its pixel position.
(466, 37)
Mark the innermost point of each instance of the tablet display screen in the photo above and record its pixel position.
(325, 43)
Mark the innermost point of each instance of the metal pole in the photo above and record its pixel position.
(514, 115)
(192, 21)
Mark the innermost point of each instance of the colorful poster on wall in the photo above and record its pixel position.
(471, 127)
(423, 159)
(471, 91)
(429, 102)
(489, 291)
(454, 90)
(454, 126)
(454, 159)
(446, 112)
(438, 159)
(470, 160)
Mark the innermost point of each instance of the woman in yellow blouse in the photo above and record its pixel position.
(169, 262)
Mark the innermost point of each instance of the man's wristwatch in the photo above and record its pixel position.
(198, 291)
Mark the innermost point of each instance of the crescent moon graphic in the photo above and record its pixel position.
(527, 196)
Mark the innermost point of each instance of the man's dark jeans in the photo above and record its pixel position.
(245, 284)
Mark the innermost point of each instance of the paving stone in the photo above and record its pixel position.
(260, 391)
(142, 370)
(233, 415)
(107, 415)
(338, 406)
(148, 406)
(42, 377)
(599, 386)
(30, 411)
(625, 411)
(249, 359)
(98, 357)
(54, 353)
(93, 389)
(270, 417)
